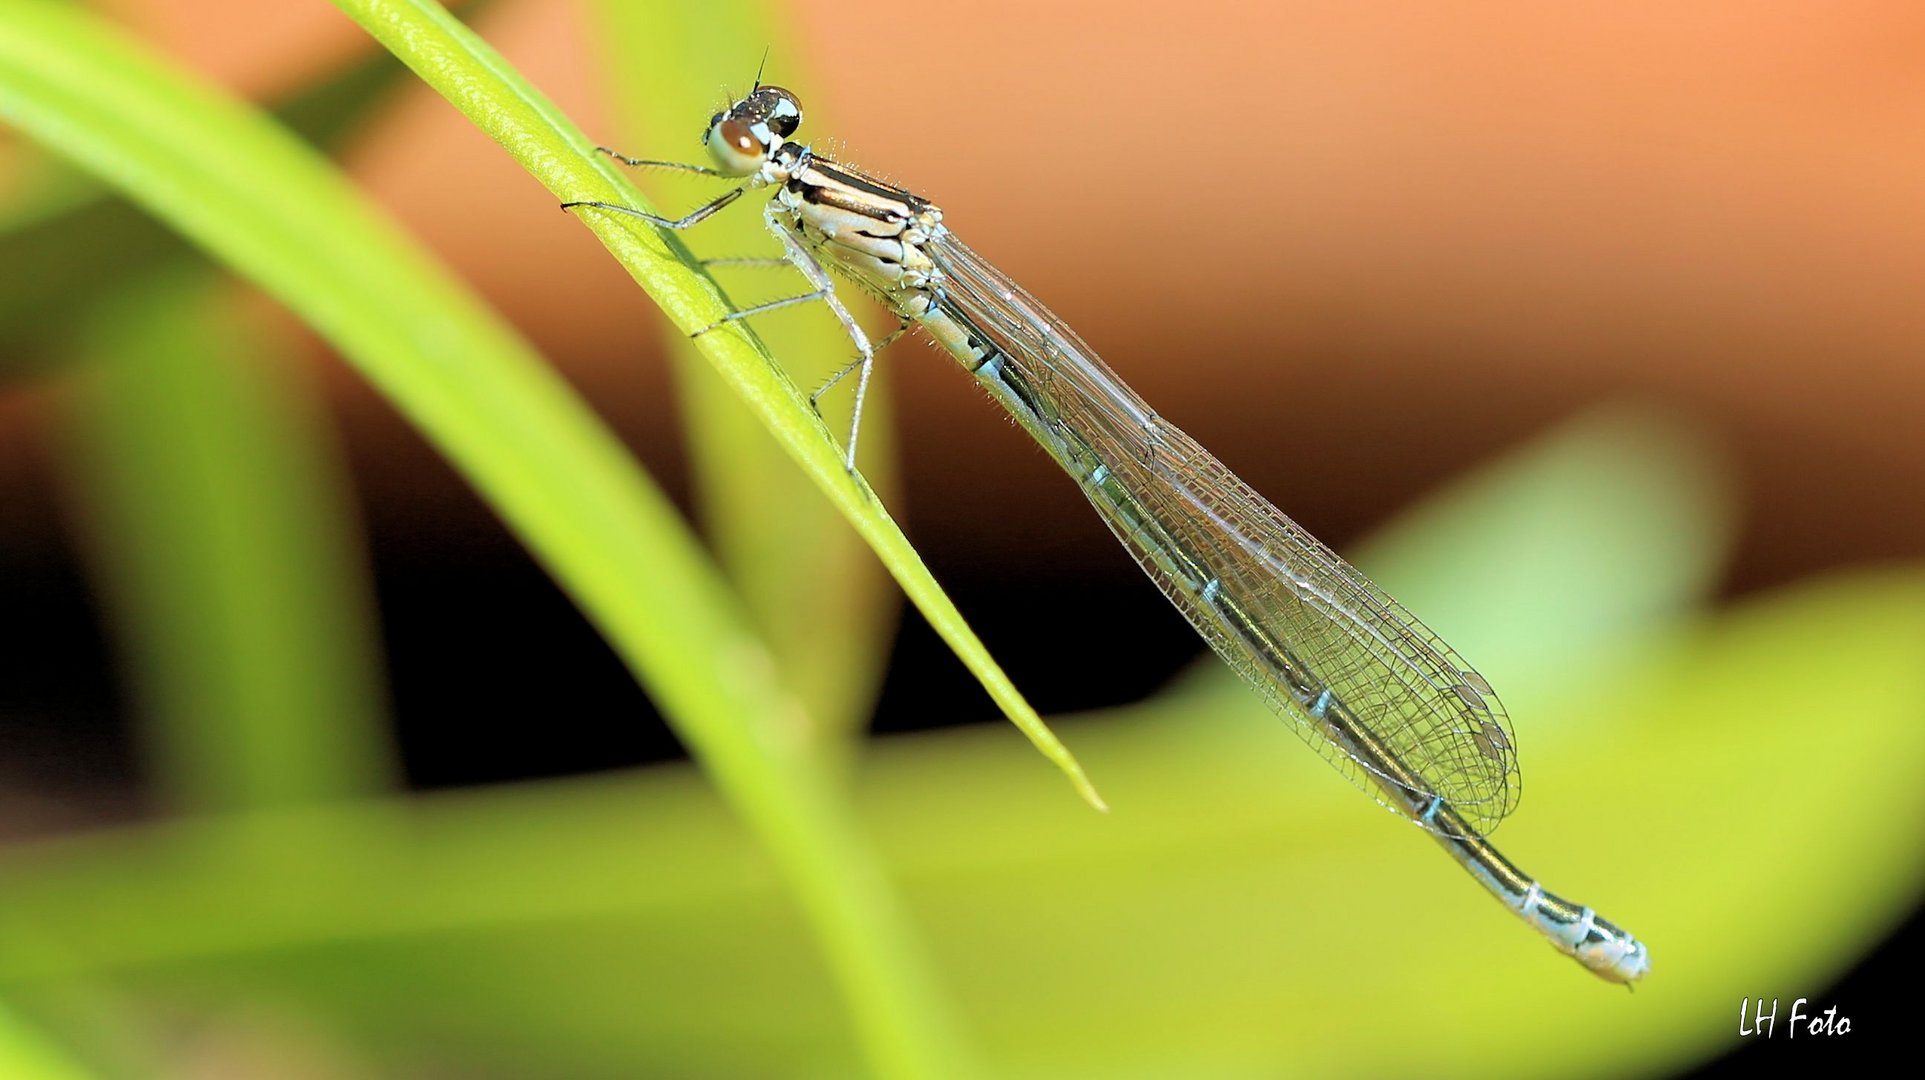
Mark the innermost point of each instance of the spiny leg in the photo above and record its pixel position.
(794, 253)
(683, 222)
(642, 163)
(761, 309)
(866, 363)
(799, 256)
(753, 260)
(695, 216)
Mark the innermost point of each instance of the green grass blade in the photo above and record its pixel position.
(81, 237)
(1240, 917)
(475, 79)
(818, 597)
(26, 1055)
(224, 535)
(272, 209)
(1612, 521)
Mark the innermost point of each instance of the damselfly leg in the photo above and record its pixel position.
(795, 254)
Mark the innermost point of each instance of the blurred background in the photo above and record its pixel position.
(1616, 306)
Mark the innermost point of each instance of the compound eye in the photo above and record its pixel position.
(785, 112)
(736, 146)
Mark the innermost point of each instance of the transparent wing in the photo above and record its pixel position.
(1364, 683)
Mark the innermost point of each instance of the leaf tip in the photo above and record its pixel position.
(1088, 791)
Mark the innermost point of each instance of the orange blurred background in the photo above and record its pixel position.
(1352, 248)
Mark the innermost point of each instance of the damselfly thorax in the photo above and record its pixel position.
(869, 231)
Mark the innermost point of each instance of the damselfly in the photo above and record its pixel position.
(1355, 674)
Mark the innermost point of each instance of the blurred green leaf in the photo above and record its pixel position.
(475, 79)
(271, 208)
(1240, 915)
(223, 529)
(25, 1056)
(82, 239)
(1556, 563)
(809, 584)
(1244, 909)
(1606, 525)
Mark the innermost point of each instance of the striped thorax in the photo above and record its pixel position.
(870, 231)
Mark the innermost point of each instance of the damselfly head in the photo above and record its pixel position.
(742, 138)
